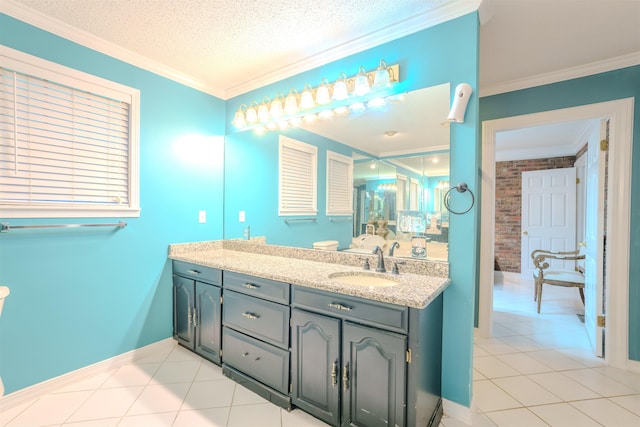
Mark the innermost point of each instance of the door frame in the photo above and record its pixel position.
(620, 112)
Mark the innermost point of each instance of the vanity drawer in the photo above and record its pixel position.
(379, 314)
(262, 319)
(257, 286)
(198, 272)
(262, 361)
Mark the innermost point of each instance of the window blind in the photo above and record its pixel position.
(339, 184)
(298, 182)
(61, 145)
(413, 194)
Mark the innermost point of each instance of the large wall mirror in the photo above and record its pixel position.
(401, 172)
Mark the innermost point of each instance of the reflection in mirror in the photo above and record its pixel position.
(401, 172)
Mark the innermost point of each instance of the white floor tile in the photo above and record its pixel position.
(212, 417)
(209, 394)
(209, 372)
(50, 409)
(477, 376)
(8, 414)
(524, 363)
(556, 360)
(244, 396)
(160, 398)
(181, 354)
(563, 415)
(523, 343)
(489, 397)
(607, 413)
(599, 383)
(495, 346)
(259, 415)
(164, 419)
(90, 383)
(107, 403)
(526, 391)
(563, 386)
(105, 422)
(132, 375)
(632, 403)
(492, 367)
(521, 417)
(176, 372)
(630, 379)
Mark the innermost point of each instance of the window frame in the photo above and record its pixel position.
(61, 75)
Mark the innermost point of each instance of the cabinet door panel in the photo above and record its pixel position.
(183, 330)
(208, 330)
(374, 377)
(315, 364)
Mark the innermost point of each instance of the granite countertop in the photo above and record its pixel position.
(412, 290)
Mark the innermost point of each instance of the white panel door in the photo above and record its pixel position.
(594, 240)
(548, 215)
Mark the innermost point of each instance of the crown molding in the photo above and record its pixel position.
(32, 17)
(598, 67)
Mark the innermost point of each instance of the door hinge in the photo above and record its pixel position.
(601, 321)
(409, 356)
(221, 299)
(220, 352)
(604, 145)
(577, 180)
(290, 387)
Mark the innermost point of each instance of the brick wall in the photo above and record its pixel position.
(508, 206)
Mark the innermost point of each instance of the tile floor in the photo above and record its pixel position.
(536, 371)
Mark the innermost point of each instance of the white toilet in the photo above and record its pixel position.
(4, 292)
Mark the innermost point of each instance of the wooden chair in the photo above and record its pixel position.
(543, 275)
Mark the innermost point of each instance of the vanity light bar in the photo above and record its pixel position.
(356, 93)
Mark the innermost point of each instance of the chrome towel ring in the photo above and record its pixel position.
(460, 188)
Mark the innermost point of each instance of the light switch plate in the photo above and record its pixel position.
(241, 216)
(202, 217)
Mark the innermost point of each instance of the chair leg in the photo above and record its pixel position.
(539, 297)
(581, 290)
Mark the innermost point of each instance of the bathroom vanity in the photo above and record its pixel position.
(286, 324)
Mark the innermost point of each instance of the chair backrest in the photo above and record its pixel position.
(541, 258)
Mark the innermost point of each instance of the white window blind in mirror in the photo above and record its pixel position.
(413, 194)
(339, 184)
(298, 178)
(68, 142)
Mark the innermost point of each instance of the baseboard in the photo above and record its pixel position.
(48, 386)
(460, 412)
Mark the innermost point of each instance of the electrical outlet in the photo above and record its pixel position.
(241, 216)
(202, 217)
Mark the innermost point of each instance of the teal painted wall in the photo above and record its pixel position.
(622, 83)
(85, 295)
(425, 60)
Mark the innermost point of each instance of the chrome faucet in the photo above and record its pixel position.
(380, 268)
(393, 246)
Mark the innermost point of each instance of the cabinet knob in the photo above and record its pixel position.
(245, 354)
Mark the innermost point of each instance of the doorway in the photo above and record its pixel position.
(620, 114)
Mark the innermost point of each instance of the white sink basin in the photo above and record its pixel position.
(370, 280)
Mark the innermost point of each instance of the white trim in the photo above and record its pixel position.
(598, 67)
(446, 11)
(459, 412)
(33, 392)
(618, 221)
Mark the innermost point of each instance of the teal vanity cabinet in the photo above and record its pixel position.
(357, 362)
(255, 336)
(197, 308)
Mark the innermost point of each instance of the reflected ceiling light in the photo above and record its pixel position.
(395, 99)
(340, 90)
(435, 160)
(322, 93)
(306, 99)
(310, 118)
(283, 125)
(376, 103)
(328, 99)
(391, 133)
(381, 79)
(361, 86)
(296, 121)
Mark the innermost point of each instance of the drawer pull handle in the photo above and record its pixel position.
(345, 377)
(251, 316)
(250, 286)
(256, 359)
(193, 272)
(245, 354)
(339, 306)
(334, 374)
